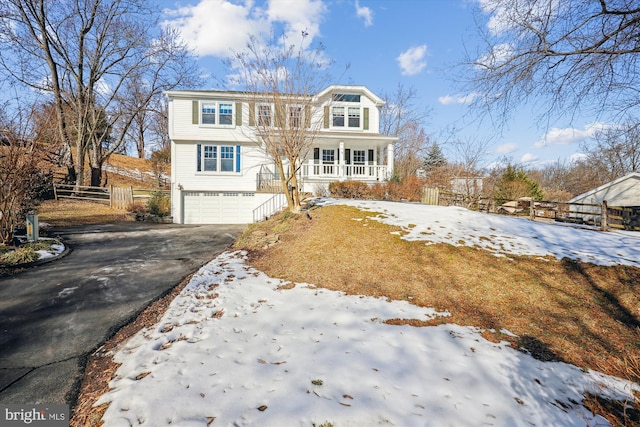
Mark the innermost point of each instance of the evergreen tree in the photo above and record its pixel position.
(434, 157)
(515, 183)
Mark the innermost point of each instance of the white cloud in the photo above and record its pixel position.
(504, 16)
(297, 17)
(499, 54)
(457, 99)
(577, 157)
(219, 27)
(528, 158)
(506, 148)
(566, 136)
(412, 60)
(364, 13)
(216, 27)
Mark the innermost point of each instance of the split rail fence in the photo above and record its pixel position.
(601, 215)
(116, 197)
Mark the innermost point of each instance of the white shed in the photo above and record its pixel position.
(623, 191)
(623, 199)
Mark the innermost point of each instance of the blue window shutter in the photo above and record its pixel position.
(237, 158)
(199, 166)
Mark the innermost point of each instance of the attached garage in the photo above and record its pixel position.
(217, 207)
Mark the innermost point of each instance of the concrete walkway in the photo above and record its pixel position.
(54, 315)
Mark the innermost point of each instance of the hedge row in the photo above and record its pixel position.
(411, 189)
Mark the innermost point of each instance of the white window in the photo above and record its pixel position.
(328, 156)
(354, 117)
(358, 157)
(208, 113)
(338, 116)
(295, 116)
(264, 115)
(226, 158)
(218, 158)
(210, 160)
(226, 113)
(216, 113)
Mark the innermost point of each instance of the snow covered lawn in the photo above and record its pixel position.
(239, 348)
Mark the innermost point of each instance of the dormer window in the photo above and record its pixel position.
(346, 97)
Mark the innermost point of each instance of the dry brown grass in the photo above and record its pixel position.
(140, 180)
(575, 312)
(69, 212)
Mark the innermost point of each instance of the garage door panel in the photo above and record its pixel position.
(205, 207)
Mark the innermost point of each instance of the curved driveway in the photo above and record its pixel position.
(52, 316)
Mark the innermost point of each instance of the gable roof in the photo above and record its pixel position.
(243, 94)
(352, 89)
(632, 175)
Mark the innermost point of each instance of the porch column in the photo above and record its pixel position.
(341, 171)
(389, 161)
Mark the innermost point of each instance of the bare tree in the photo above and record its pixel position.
(615, 151)
(21, 178)
(563, 180)
(575, 55)
(399, 117)
(283, 80)
(87, 54)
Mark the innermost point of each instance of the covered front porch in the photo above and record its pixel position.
(362, 159)
(368, 160)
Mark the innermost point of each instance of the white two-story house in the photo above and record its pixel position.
(221, 174)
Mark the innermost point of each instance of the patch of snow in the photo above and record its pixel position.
(502, 234)
(234, 348)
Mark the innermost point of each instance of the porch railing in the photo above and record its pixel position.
(268, 182)
(344, 171)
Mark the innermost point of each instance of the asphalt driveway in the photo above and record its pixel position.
(52, 316)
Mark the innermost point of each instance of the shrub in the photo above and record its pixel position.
(20, 256)
(378, 191)
(137, 208)
(159, 204)
(411, 189)
(349, 189)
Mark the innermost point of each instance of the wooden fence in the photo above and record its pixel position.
(116, 197)
(600, 215)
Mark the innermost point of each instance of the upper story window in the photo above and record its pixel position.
(264, 115)
(338, 116)
(216, 113)
(226, 113)
(295, 116)
(352, 120)
(208, 114)
(345, 97)
(347, 112)
(354, 117)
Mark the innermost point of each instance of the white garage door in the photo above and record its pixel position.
(208, 207)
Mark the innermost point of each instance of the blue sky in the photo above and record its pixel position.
(384, 42)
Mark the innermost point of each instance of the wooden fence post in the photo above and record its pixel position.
(55, 193)
(111, 195)
(532, 210)
(603, 222)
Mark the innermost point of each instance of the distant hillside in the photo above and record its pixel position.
(121, 170)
